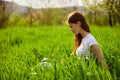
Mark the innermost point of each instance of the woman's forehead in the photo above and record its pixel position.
(71, 23)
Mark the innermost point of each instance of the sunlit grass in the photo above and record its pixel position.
(18, 62)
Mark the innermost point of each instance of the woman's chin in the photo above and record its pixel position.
(76, 33)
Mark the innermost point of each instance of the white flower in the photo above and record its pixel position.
(45, 64)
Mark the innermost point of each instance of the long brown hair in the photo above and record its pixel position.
(74, 17)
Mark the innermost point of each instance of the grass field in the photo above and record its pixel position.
(18, 62)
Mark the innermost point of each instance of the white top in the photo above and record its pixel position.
(85, 45)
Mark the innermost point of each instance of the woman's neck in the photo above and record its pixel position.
(84, 33)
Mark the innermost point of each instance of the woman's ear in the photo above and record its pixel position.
(79, 23)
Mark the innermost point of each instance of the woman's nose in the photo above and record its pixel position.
(71, 29)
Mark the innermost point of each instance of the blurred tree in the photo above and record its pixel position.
(52, 16)
(94, 9)
(113, 8)
(45, 16)
(31, 14)
(5, 12)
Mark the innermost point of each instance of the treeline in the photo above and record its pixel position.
(96, 13)
(35, 17)
(106, 12)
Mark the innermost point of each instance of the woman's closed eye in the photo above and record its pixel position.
(71, 26)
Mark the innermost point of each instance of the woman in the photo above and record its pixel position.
(84, 43)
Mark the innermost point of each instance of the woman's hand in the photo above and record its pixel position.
(72, 54)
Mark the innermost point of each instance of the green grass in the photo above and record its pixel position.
(17, 61)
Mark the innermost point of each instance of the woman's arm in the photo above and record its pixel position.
(98, 54)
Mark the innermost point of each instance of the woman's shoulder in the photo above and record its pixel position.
(92, 40)
(89, 37)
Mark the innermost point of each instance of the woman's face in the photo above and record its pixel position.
(75, 28)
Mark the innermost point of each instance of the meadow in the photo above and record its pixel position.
(18, 62)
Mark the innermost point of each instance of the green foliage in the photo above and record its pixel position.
(5, 12)
(41, 17)
(113, 9)
(18, 62)
(18, 20)
(51, 16)
(101, 19)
